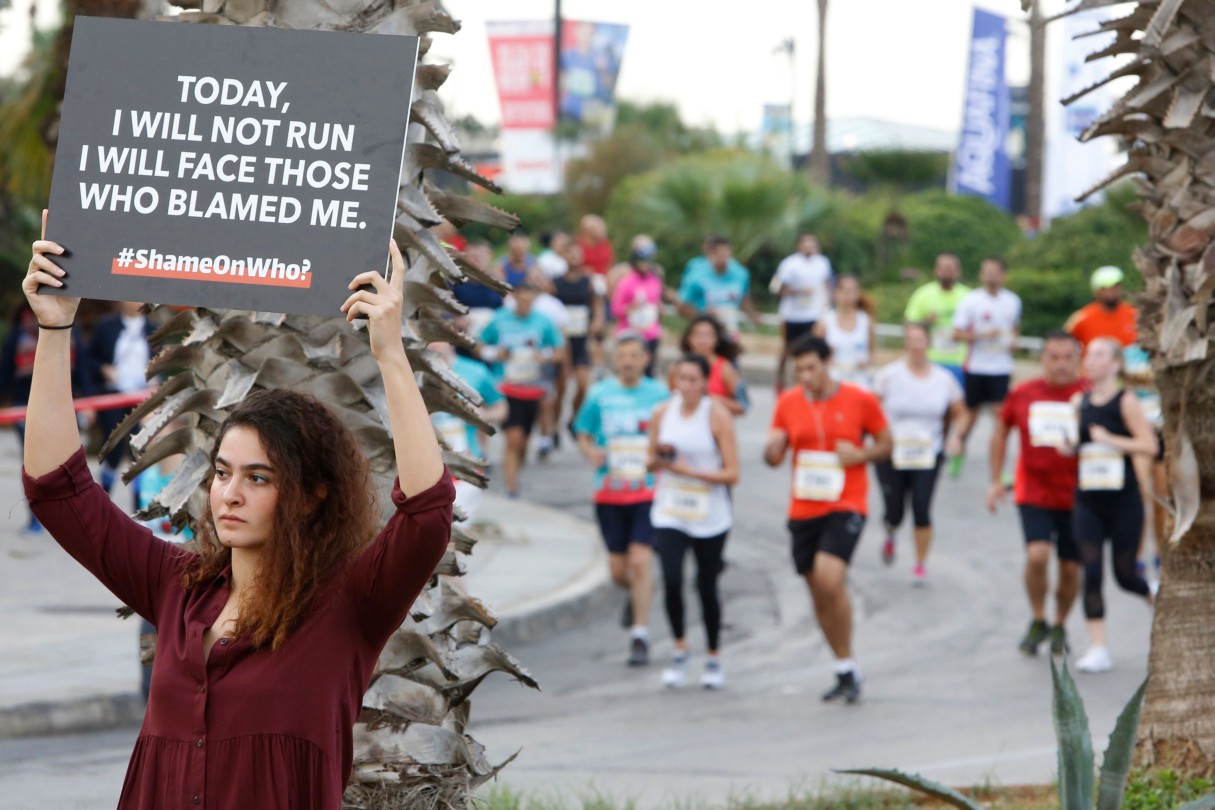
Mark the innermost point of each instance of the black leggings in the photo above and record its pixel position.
(672, 546)
(896, 484)
(1118, 516)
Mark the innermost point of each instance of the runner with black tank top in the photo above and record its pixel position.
(1108, 506)
(693, 449)
(584, 316)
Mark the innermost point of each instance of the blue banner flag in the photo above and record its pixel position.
(981, 166)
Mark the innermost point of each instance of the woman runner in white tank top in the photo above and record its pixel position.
(694, 451)
(849, 331)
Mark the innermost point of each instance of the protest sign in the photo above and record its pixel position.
(227, 166)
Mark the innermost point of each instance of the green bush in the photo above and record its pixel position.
(1048, 297)
(538, 212)
(938, 222)
(1163, 790)
(1106, 233)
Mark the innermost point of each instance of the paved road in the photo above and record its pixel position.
(946, 693)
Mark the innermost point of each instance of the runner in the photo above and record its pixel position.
(459, 436)
(825, 423)
(551, 260)
(988, 320)
(693, 448)
(596, 248)
(482, 302)
(611, 429)
(1108, 315)
(518, 262)
(706, 337)
(583, 320)
(1108, 506)
(803, 281)
(921, 400)
(934, 304)
(717, 285)
(638, 295)
(850, 331)
(519, 345)
(1045, 483)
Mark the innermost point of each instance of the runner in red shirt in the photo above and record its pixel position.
(596, 249)
(1044, 486)
(825, 423)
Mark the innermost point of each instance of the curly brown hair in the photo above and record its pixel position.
(313, 453)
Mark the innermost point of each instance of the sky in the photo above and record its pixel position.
(898, 60)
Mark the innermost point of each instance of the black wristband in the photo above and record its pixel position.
(66, 326)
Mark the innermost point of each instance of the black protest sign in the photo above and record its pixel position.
(230, 167)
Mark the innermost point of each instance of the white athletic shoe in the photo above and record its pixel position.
(1096, 659)
(676, 673)
(714, 676)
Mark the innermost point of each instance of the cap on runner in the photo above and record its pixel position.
(1107, 276)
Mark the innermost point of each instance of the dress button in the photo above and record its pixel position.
(199, 743)
(223, 642)
(196, 799)
(202, 687)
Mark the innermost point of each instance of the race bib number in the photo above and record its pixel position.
(643, 316)
(452, 431)
(914, 448)
(577, 321)
(942, 339)
(728, 316)
(684, 499)
(818, 476)
(1000, 341)
(523, 367)
(804, 299)
(626, 457)
(1102, 468)
(1052, 424)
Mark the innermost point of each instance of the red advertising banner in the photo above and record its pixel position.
(522, 53)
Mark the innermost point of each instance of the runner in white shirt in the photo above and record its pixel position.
(803, 281)
(850, 331)
(921, 400)
(988, 320)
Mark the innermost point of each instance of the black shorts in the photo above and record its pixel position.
(1051, 526)
(578, 353)
(793, 330)
(985, 389)
(522, 413)
(623, 524)
(836, 534)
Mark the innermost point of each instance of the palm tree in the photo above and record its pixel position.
(1165, 118)
(411, 749)
(820, 160)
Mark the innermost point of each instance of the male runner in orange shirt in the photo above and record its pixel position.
(825, 424)
(1108, 315)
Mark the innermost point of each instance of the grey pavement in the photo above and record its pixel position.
(946, 692)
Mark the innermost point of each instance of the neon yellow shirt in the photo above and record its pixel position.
(935, 306)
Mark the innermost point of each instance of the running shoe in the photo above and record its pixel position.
(639, 652)
(847, 688)
(955, 466)
(714, 676)
(676, 673)
(1096, 660)
(545, 447)
(919, 577)
(1058, 641)
(888, 549)
(1037, 633)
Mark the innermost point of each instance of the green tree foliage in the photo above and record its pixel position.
(898, 169)
(1106, 233)
(744, 196)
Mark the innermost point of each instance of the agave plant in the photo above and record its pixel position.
(1076, 767)
(411, 749)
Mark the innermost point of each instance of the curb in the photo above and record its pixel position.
(567, 606)
(93, 713)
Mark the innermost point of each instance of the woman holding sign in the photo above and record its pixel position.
(693, 449)
(269, 634)
(1112, 429)
(921, 400)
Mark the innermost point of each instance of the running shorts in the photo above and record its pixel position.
(794, 330)
(836, 534)
(578, 352)
(623, 524)
(985, 389)
(1051, 526)
(522, 413)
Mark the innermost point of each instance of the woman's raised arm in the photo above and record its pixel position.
(419, 460)
(51, 435)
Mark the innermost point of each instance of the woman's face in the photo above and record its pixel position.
(1099, 362)
(847, 292)
(690, 381)
(702, 339)
(243, 491)
(915, 341)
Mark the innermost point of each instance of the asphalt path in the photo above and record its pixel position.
(946, 693)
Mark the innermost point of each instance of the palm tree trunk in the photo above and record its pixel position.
(820, 160)
(1035, 124)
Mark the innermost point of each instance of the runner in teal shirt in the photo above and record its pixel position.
(612, 412)
(460, 436)
(717, 284)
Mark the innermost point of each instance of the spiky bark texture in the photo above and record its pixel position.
(1168, 118)
(410, 746)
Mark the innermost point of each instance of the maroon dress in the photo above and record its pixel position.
(247, 728)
